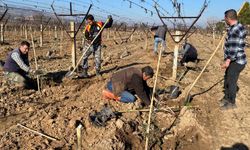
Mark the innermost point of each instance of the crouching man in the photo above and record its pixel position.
(16, 67)
(189, 54)
(125, 83)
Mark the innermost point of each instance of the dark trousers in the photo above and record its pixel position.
(230, 81)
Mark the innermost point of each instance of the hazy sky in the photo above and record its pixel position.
(121, 10)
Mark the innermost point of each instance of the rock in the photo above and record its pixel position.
(3, 111)
(191, 65)
(119, 123)
(51, 121)
(125, 54)
(31, 109)
(72, 123)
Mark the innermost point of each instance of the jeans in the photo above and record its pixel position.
(230, 81)
(96, 50)
(126, 97)
(157, 41)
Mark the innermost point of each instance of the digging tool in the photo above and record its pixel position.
(174, 89)
(188, 96)
(92, 42)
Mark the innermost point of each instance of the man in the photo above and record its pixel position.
(159, 37)
(234, 58)
(90, 32)
(16, 67)
(189, 53)
(127, 82)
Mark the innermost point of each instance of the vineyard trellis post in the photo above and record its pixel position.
(42, 28)
(2, 33)
(55, 33)
(73, 32)
(3, 28)
(41, 35)
(73, 43)
(25, 32)
(176, 53)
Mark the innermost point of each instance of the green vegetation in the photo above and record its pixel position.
(244, 16)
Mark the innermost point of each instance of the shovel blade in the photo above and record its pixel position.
(188, 99)
(69, 74)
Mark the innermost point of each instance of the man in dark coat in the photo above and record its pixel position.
(125, 83)
(16, 67)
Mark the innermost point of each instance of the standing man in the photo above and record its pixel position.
(124, 84)
(159, 37)
(16, 67)
(91, 30)
(234, 58)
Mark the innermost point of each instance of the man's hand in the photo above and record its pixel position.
(89, 41)
(226, 64)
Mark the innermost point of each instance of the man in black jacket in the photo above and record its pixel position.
(127, 82)
(189, 53)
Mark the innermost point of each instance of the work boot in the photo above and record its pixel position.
(84, 74)
(155, 53)
(98, 72)
(227, 106)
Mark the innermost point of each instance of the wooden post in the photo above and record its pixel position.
(49, 32)
(176, 53)
(41, 35)
(131, 38)
(61, 42)
(146, 41)
(55, 32)
(26, 32)
(214, 35)
(21, 30)
(2, 33)
(34, 50)
(79, 137)
(73, 43)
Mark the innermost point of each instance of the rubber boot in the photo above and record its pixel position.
(84, 74)
(98, 72)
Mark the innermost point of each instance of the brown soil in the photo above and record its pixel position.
(63, 101)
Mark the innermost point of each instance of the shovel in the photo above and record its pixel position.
(174, 89)
(70, 73)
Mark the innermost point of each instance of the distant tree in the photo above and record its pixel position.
(244, 16)
(220, 26)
